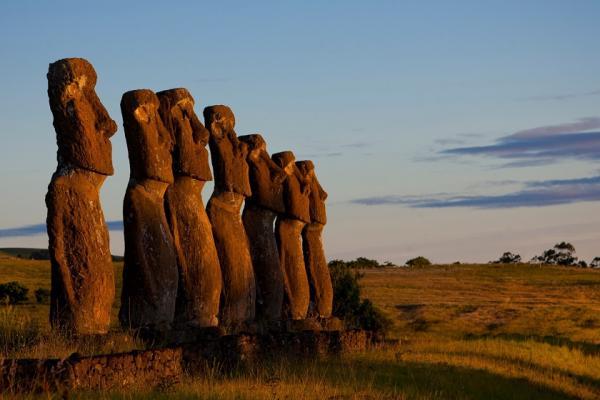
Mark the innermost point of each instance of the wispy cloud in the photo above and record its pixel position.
(40, 229)
(564, 96)
(541, 145)
(534, 194)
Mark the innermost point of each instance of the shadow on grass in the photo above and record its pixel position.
(584, 347)
(418, 380)
(383, 379)
(532, 365)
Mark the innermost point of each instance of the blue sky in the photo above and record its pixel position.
(454, 130)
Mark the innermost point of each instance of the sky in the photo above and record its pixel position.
(452, 130)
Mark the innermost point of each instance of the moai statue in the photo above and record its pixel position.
(289, 236)
(312, 243)
(199, 287)
(260, 210)
(232, 186)
(150, 274)
(83, 286)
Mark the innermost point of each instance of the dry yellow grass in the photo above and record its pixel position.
(465, 332)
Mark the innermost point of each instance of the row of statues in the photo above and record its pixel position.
(185, 266)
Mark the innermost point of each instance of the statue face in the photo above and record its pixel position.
(286, 161)
(83, 126)
(256, 145)
(190, 156)
(148, 141)
(306, 167)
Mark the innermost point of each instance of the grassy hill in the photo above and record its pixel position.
(27, 252)
(464, 331)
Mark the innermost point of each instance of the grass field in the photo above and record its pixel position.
(464, 331)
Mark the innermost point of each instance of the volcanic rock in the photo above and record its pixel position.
(200, 282)
(288, 230)
(232, 185)
(260, 211)
(82, 274)
(150, 276)
(319, 278)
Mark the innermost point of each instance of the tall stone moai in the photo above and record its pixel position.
(288, 230)
(200, 283)
(232, 186)
(314, 255)
(260, 211)
(83, 285)
(150, 274)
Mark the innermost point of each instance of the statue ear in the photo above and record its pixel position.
(141, 115)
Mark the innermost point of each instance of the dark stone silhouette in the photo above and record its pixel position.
(150, 274)
(83, 285)
(232, 186)
(200, 283)
(314, 254)
(266, 202)
(289, 236)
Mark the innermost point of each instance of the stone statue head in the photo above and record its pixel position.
(266, 176)
(219, 120)
(82, 124)
(255, 143)
(228, 153)
(307, 168)
(285, 160)
(317, 195)
(149, 143)
(190, 156)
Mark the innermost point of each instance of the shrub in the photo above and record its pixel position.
(42, 296)
(356, 313)
(508, 258)
(13, 292)
(418, 262)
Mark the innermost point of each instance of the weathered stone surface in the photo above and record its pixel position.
(82, 272)
(296, 188)
(228, 154)
(200, 283)
(190, 156)
(266, 180)
(266, 176)
(83, 126)
(288, 230)
(150, 275)
(238, 297)
(232, 185)
(321, 289)
(259, 226)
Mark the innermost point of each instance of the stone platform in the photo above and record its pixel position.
(165, 366)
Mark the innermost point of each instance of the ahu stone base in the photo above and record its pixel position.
(165, 366)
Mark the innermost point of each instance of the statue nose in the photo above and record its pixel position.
(105, 124)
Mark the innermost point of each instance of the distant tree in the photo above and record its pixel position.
(418, 262)
(359, 263)
(337, 264)
(562, 253)
(389, 264)
(363, 262)
(582, 264)
(13, 293)
(595, 263)
(508, 258)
